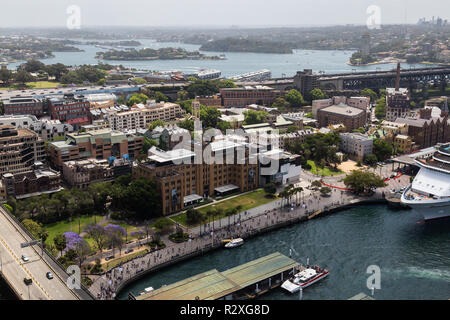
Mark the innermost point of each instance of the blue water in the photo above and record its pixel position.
(414, 257)
(328, 61)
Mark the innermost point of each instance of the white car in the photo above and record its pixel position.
(25, 258)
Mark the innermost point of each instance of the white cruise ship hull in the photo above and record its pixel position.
(432, 211)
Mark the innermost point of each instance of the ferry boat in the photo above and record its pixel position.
(235, 243)
(429, 193)
(147, 290)
(304, 279)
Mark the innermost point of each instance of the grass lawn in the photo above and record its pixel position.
(42, 85)
(247, 201)
(322, 171)
(63, 226)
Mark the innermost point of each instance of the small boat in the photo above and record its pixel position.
(147, 290)
(304, 279)
(235, 243)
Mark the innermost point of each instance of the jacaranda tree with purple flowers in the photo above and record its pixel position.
(76, 243)
(115, 235)
(98, 234)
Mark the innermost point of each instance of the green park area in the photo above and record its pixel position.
(244, 202)
(79, 224)
(42, 85)
(325, 171)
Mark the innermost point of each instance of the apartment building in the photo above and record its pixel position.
(140, 115)
(23, 105)
(362, 103)
(397, 103)
(37, 180)
(183, 184)
(243, 96)
(70, 108)
(356, 145)
(97, 144)
(352, 118)
(19, 149)
(82, 173)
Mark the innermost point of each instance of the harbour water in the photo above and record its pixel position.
(328, 61)
(414, 258)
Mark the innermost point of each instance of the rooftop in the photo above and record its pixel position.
(342, 109)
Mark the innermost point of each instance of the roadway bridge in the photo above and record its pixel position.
(366, 79)
(14, 269)
(384, 79)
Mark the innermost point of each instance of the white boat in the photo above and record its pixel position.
(304, 279)
(235, 243)
(147, 290)
(429, 193)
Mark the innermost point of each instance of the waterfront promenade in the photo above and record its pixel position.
(245, 224)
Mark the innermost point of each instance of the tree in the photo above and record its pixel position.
(380, 108)
(187, 124)
(193, 216)
(370, 159)
(5, 76)
(23, 76)
(114, 235)
(281, 104)
(316, 184)
(156, 123)
(209, 116)
(294, 98)
(254, 117)
(97, 233)
(363, 181)
(369, 93)
(159, 96)
(382, 149)
(270, 188)
(56, 70)
(325, 191)
(33, 227)
(137, 98)
(143, 198)
(316, 94)
(223, 126)
(60, 242)
(33, 66)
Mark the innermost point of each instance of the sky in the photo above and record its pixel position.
(154, 13)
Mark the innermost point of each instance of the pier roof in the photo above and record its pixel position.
(213, 284)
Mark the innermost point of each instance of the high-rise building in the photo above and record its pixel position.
(97, 144)
(19, 149)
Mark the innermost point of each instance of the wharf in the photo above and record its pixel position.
(246, 281)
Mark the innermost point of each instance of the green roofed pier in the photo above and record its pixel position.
(246, 281)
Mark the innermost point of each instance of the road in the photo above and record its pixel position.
(14, 269)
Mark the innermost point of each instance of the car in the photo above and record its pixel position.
(27, 281)
(25, 258)
(49, 275)
(109, 258)
(129, 250)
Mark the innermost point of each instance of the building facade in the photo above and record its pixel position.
(356, 145)
(97, 144)
(179, 184)
(23, 105)
(351, 118)
(70, 108)
(19, 149)
(241, 97)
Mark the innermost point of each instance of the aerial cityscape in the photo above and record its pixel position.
(225, 160)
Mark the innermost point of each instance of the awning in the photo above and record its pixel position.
(192, 197)
(226, 188)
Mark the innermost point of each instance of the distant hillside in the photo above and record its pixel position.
(246, 45)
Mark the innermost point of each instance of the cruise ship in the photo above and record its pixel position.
(429, 193)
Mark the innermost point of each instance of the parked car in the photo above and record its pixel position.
(49, 275)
